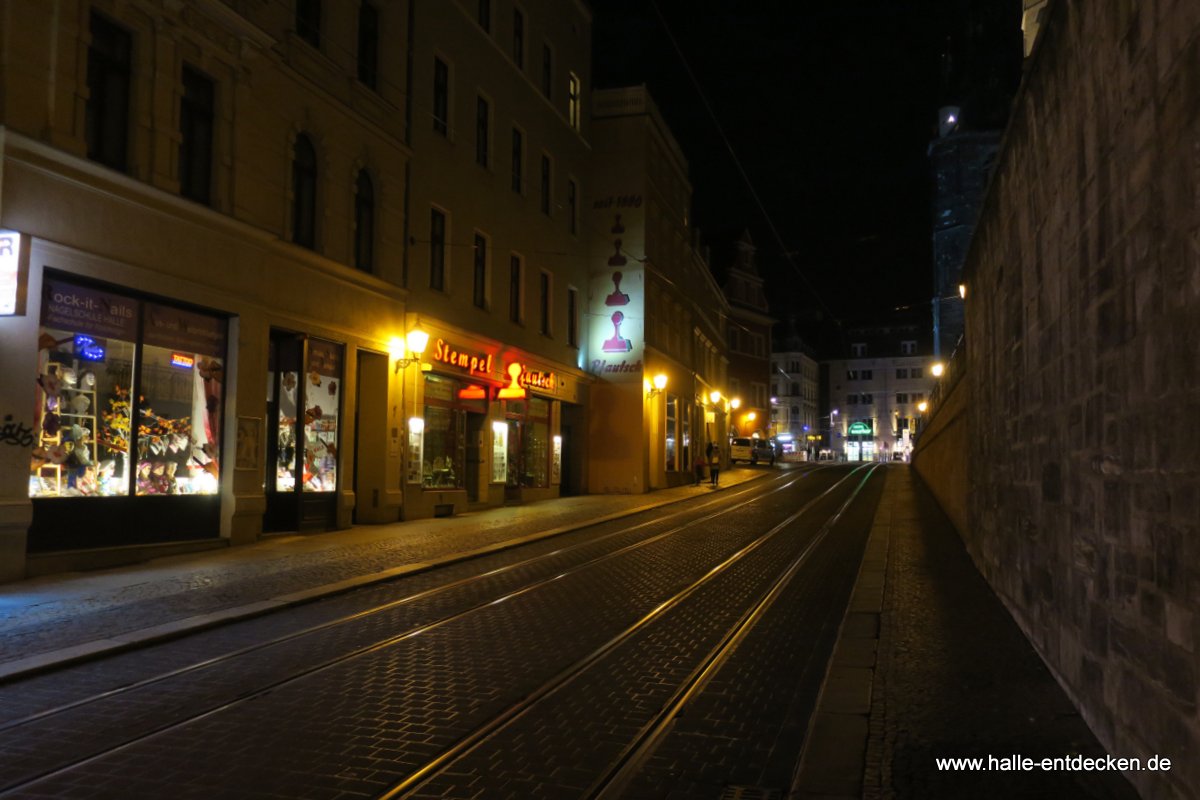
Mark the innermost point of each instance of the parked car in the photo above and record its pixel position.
(762, 450)
(741, 449)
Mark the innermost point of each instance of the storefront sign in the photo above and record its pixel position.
(182, 360)
(13, 272)
(185, 331)
(473, 363)
(859, 428)
(89, 311)
(472, 392)
(536, 379)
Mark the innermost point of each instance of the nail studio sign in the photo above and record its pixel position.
(473, 363)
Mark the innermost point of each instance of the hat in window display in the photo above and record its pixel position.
(52, 402)
(56, 454)
(39, 458)
(80, 403)
(50, 424)
(332, 388)
(315, 378)
(51, 384)
(69, 378)
(87, 381)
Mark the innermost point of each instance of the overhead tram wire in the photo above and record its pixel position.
(738, 163)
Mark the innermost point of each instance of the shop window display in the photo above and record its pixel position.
(529, 443)
(307, 419)
(444, 442)
(90, 367)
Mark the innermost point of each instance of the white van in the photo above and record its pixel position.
(741, 449)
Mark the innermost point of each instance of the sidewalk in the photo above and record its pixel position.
(929, 664)
(59, 618)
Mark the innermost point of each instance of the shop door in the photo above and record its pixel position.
(303, 405)
(476, 447)
(370, 440)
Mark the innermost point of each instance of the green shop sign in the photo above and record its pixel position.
(859, 428)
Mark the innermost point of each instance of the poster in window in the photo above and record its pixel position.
(416, 441)
(556, 461)
(499, 452)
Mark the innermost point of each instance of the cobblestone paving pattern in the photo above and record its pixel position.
(28, 696)
(951, 663)
(230, 580)
(359, 726)
(565, 743)
(747, 726)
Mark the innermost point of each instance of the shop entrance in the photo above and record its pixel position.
(476, 447)
(303, 407)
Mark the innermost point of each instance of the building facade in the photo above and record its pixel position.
(749, 340)
(794, 397)
(207, 206)
(656, 317)
(497, 260)
(876, 392)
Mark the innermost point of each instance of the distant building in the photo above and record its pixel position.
(749, 338)
(875, 390)
(794, 388)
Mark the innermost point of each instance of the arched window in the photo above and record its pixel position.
(364, 222)
(304, 193)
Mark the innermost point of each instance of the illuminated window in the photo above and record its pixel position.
(574, 101)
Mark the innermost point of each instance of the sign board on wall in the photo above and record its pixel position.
(14, 273)
(616, 300)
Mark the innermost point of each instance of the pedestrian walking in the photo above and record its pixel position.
(714, 463)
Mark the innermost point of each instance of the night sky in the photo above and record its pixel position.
(829, 106)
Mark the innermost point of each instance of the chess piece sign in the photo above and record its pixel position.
(617, 344)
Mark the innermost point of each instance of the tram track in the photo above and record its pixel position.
(618, 771)
(15, 727)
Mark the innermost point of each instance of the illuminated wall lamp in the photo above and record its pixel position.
(660, 383)
(937, 369)
(414, 343)
(714, 396)
(735, 403)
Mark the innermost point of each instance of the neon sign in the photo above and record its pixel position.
(473, 363)
(859, 428)
(472, 392)
(182, 360)
(534, 379)
(89, 349)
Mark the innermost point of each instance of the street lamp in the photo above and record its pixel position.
(660, 383)
(735, 403)
(413, 343)
(937, 369)
(922, 406)
(714, 396)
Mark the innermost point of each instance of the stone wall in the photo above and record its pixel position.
(1083, 329)
(940, 457)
